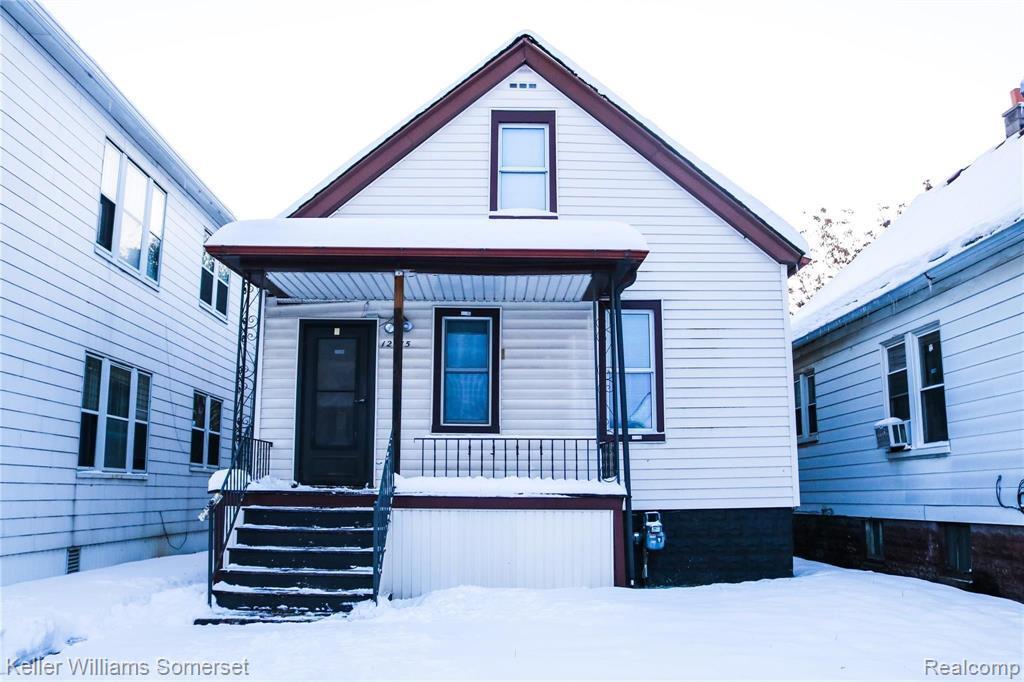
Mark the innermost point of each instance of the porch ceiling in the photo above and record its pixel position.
(378, 286)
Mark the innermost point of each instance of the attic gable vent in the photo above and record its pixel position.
(522, 86)
(74, 559)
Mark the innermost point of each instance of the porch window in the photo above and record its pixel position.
(114, 430)
(466, 351)
(915, 386)
(523, 160)
(214, 285)
(206, 430)
(131, 214)
(642, 350)
(806, 396)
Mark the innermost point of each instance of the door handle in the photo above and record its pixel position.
(359, 401)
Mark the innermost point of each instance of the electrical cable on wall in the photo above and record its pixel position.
(1020, 495)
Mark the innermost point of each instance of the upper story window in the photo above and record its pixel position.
(214, 284)
(466, 376)
(131, 219)
(114, 429)
(523, 161)
(915, 386)
(643, 369)
(806, 396)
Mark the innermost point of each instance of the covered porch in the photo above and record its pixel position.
(446, 349)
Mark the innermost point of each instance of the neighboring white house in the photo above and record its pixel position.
(909, 370)
(508, 205)
(116, 330)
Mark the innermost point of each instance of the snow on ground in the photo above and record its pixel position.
(826, 623)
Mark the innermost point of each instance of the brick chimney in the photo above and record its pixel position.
(1013, 117)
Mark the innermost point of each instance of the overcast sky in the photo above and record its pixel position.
(802, 104)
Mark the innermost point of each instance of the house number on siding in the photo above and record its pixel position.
(388, 343)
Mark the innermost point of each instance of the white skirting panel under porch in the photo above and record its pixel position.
(432, 549)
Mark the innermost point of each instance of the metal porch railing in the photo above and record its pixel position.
(581, 459)
(382, 515)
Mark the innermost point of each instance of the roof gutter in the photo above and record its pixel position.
(974, 254)
(81, 69)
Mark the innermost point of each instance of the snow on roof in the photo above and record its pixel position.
(772, 219)
(431, 233)
(972, 205)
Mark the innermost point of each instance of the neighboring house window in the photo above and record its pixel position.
(114, 430)
(873, 539)
(466, 372)
(642, 350)
(132, 212)
(206, 430)
(214, 284)
(915, 386)
(523, 161)
(806, 397)
(958, 547)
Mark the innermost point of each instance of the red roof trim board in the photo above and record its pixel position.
(526, 50)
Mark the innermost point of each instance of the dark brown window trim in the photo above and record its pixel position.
(500, 116)
(523, 217)
(659, 370)
(437, 425)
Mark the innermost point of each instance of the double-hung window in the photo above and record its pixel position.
(132, 212)
(806, 396)
(214, 285)
(206, 429)
(915, 386)
(642, 367)
(523, 161)
(114, 430)
(466, 373)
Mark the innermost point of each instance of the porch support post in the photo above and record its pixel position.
(396, 370)
(624, 417)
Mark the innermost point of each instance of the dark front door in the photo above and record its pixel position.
(335, 419)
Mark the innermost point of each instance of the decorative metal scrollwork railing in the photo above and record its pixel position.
(382, 516)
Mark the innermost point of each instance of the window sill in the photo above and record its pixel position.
(202, 468)
(521, 214)
(930, 450)
(807, 440)
(124, 267)
(112, 475)
(213, 311)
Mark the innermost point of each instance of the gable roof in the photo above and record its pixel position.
(742, 211)
(974, 205)
(55, 42)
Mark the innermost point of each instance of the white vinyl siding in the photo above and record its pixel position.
(979, 312)
(60, 300)
(730, 437)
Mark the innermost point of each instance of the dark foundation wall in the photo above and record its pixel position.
(917, 549)
(706, 546)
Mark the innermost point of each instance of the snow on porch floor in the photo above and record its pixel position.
(826, 623)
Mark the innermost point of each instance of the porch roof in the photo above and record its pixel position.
(455, 259)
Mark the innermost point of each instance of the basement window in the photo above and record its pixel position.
(874, 539)
(957, 538)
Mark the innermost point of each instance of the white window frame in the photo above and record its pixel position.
(218, 268)
(99, 450)
(533, 170)
(115, 241)
(206, 430)
(807, 436)
(918, 446)
(444, 370)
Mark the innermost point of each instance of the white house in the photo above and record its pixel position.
(910, 388)
(454, 291)
(117, 331)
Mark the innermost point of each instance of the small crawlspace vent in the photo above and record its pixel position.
(74, 559)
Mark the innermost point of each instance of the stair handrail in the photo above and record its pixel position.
(382, 515)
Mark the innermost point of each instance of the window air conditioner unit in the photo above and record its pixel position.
(893, 434)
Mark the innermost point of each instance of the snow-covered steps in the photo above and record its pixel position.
(301, 557)
(294, 600)
(303, 536)
(309, 517)
(245, 617)
(322, 579)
